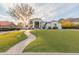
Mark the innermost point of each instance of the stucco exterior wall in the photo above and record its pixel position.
(48, 24)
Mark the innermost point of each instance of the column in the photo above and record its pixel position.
(39, 24)
(33, 24)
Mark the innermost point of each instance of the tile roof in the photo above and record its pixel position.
(6, 23)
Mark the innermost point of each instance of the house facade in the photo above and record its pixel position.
(38, 23)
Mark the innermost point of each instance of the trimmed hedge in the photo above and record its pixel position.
(9, 29)
(70, 27)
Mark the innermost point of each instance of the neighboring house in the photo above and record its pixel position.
(37, 23)
(6, 24)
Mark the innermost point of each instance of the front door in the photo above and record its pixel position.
(55, 26)
(36, 25)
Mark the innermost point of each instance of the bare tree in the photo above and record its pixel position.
(21, 12)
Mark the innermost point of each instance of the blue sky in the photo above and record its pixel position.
(4, 16)
(58, 11)
(47, 11)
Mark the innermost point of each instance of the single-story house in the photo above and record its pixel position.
(37, 23)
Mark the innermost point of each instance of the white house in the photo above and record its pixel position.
(38, 23)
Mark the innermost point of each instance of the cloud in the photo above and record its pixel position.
(55, 10)
(47, 11)
(7, 18)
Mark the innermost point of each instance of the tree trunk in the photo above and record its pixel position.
(24, 24)
(27, 22)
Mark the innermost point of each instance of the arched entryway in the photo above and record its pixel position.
(37, 25)
(55, 26)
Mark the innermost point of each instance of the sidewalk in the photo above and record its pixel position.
(19, 47)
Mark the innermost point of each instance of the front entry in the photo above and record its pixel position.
(55, 26)
(36, 25)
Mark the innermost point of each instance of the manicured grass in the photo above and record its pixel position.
(66, 41)
(7, 40)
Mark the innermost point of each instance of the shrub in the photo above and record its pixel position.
(7, 29)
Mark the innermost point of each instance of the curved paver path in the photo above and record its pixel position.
(18, 48)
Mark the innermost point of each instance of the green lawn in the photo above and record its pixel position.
(55, 41)
(7, 40)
